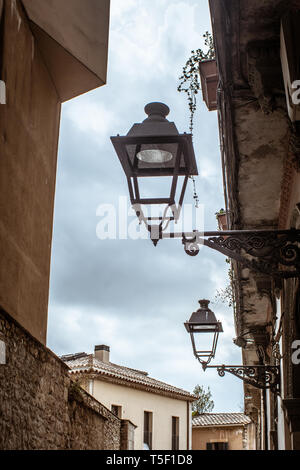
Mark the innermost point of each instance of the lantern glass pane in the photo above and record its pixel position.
(155, 187)
(204, 344)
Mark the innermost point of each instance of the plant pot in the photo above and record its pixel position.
(222, 221)
(209, 82)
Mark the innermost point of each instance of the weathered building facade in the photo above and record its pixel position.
(50, 52)
(223, 431)
(257, 54)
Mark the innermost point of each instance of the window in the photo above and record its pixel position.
(116, 410)
(175, 433)
(217, 446)
(148, 430)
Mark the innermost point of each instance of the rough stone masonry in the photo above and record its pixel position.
(40, 406)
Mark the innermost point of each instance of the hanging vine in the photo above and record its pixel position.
(226, 295)
(190, 78)
(190, 84)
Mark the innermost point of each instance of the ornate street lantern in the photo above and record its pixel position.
(204, 321)
(263, 376)
(154, 148)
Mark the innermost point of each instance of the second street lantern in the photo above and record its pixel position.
(204, 321)
(154, 148)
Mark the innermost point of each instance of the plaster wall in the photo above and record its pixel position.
(262, 151)
(29, 126)
(134, 402)
(231, 434)
(80, 27)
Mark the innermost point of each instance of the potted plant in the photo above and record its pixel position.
(221, 216)
(200, 72)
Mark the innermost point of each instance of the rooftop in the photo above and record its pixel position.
(220, 419)
(88, 364)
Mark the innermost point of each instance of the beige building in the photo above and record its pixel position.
(50, 52)
(223, 431)
(160, 412)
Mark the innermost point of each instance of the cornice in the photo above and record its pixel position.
(98, 375)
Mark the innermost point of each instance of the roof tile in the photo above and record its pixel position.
(87, 363)
(219, 419)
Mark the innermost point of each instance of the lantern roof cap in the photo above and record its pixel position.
(156, 111)
(205, 316)
(204, 303)
(155, 124)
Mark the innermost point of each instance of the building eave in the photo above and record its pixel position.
(218, 426)
(108, 377)
(72, 36)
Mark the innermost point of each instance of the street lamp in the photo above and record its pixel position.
(154, 148)
(204, 321)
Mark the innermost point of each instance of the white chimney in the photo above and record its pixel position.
(102, 353)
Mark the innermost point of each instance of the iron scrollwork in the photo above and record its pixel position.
(261, 376)
(191, 246)
(273, 252)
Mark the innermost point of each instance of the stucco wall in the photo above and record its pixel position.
(233, 435)
(134, 402)
(29, 126)
(40, 406)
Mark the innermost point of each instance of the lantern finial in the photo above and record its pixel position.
(204, 303)
(156, 111)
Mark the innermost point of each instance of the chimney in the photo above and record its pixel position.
(102, 353)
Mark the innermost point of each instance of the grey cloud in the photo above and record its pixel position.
(123, 292)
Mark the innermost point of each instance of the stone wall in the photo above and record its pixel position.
(40, 406)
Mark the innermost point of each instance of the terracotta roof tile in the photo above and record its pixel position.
(88, 363)
(219, 419)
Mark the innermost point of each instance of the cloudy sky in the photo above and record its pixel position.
(123, 292)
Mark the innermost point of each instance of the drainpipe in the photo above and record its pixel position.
(265, 420)
(188, 422)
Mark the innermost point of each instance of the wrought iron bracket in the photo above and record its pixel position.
(260, 376)
(272, 252)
